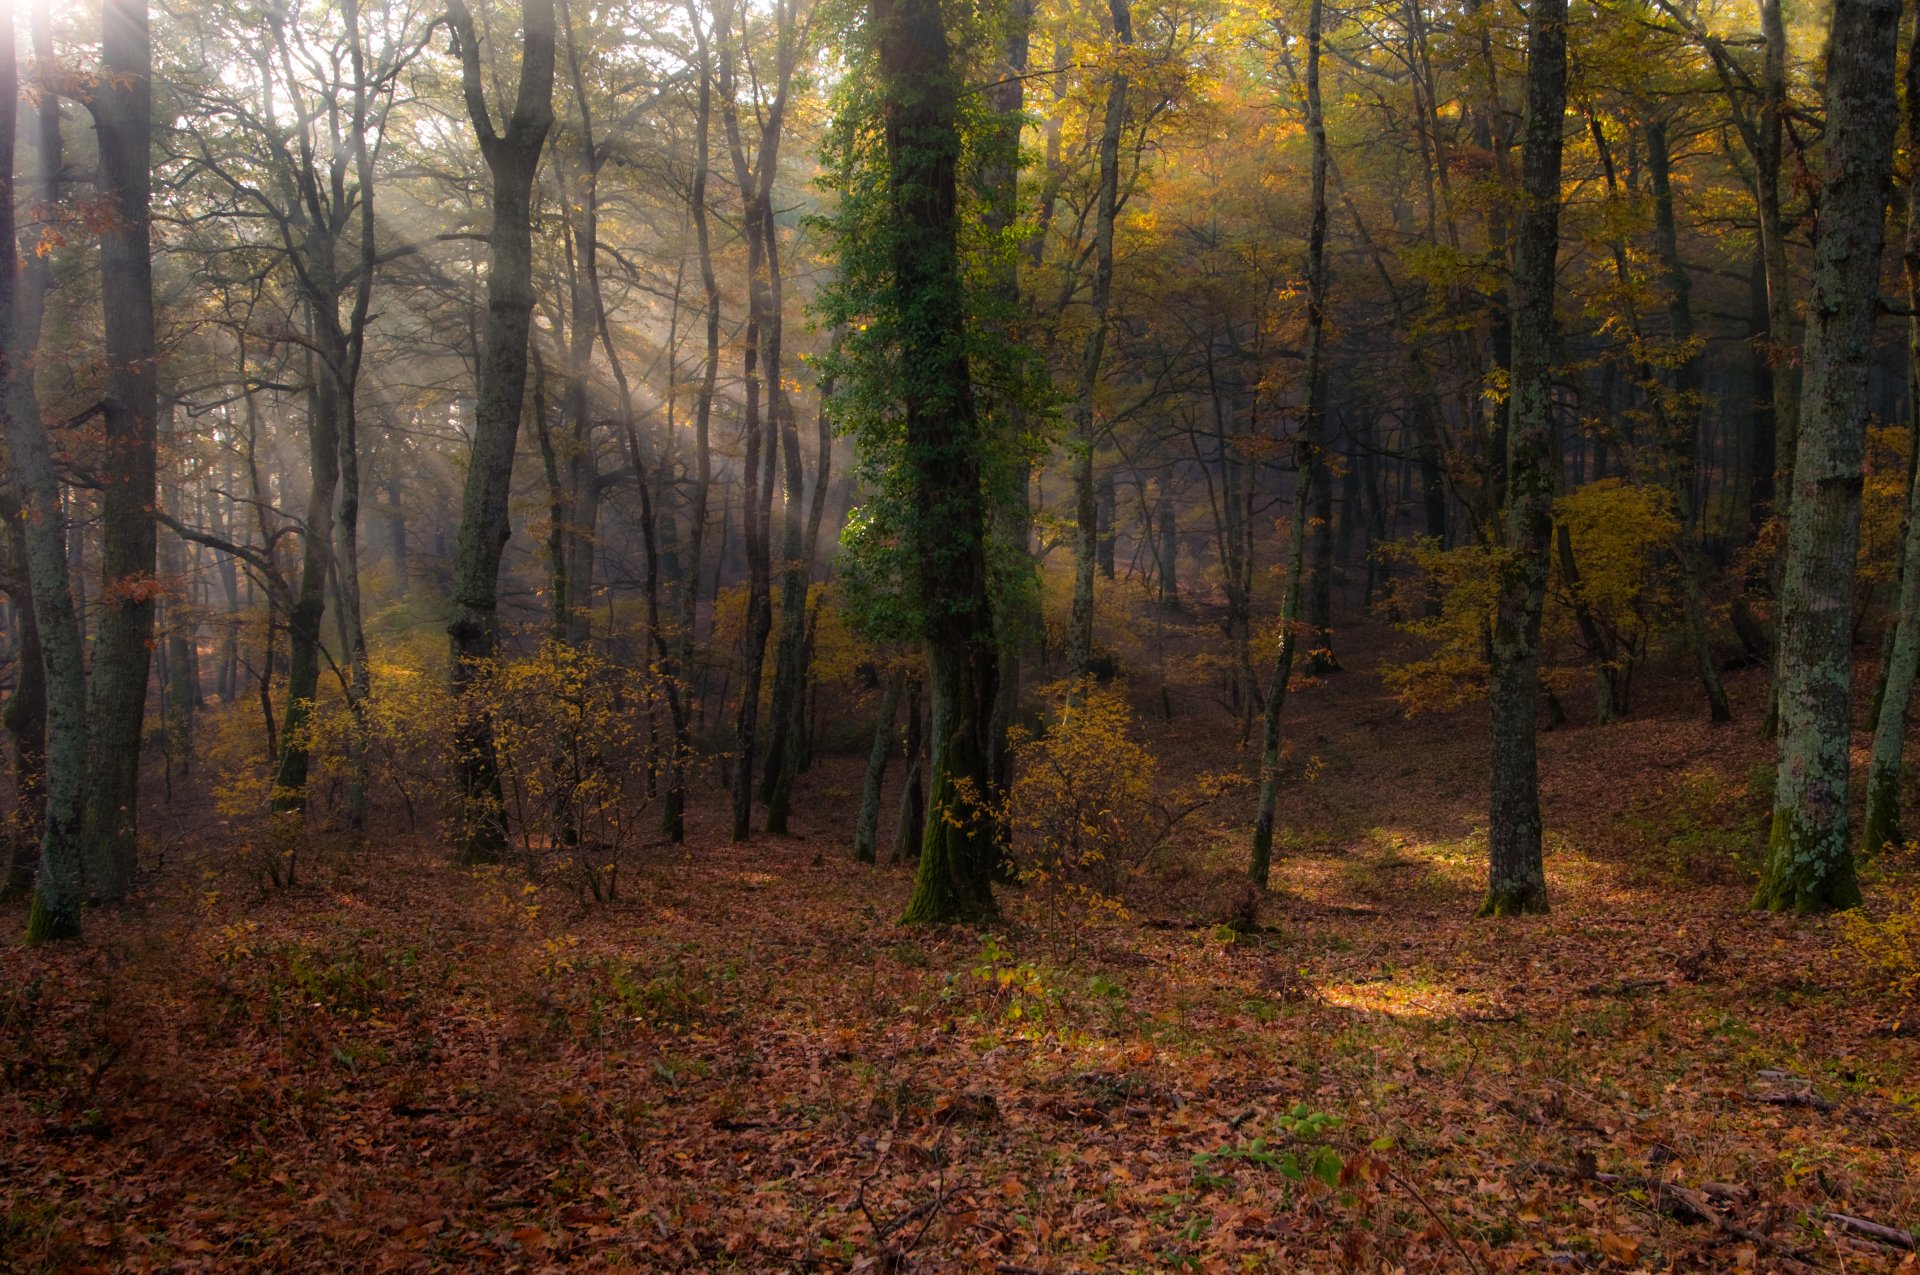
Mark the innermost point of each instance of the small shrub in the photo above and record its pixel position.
(1886, 952)
(1082, 817)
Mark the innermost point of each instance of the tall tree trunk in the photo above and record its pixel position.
(308, 611)
(761, 346)
(1310, 469)
(1884, 828)
(944, 452)
(1680, 433)
(1516, 875)
(796, 567)
(123, 122)
(1086, 504)
(1017, 615)
(1320, 657)
(63, 883)
(673, 804)
(513, 158)
(1262, 860)
(1810, 859)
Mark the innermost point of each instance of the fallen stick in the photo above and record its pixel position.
(1893, 1235)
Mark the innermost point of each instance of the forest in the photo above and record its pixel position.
(1017, 636)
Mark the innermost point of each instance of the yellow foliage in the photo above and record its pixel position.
(1883, 504)
(1620, 533)
(1619, 530)
(1082, 815)
(1886, 952)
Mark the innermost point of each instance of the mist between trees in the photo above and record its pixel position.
(519, 420)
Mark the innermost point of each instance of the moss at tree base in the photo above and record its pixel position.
(1804, 875)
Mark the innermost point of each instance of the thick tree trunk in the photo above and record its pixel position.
(48, 711)
(1810, 858)
(117, 701)
(1516, 876)
(1884, 827)
(944, 453)
(309, 607)
(513, 158)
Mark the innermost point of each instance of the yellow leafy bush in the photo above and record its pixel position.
(1082, 816)
(577, 739)
(1886, 952)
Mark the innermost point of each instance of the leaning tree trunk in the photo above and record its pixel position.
(943, 455)
(1810, 858)
(513, 158)
(1516, 874)
(1903, 657)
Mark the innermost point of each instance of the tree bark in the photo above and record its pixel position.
(866, 828)
(1884, 828)
(1810, 859)
(1086, 503)
(1310, 469)
(123, 122)
(513, 158)
(1516, 875)
(62, 884)
(944, 454)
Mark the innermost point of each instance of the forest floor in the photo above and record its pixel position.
(744, 1064)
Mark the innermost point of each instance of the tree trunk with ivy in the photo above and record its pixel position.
(1516, 874)
(944, 453)
(1810, 856)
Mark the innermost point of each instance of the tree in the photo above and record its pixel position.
(1809, 854)
(1883, 829)
(1516, 876)
(1310, 467)
(512, 158)
(1086, 518)
(65, 880)
(117, 693)
(943, 451)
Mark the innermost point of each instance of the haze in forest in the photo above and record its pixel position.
(1022, 636)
